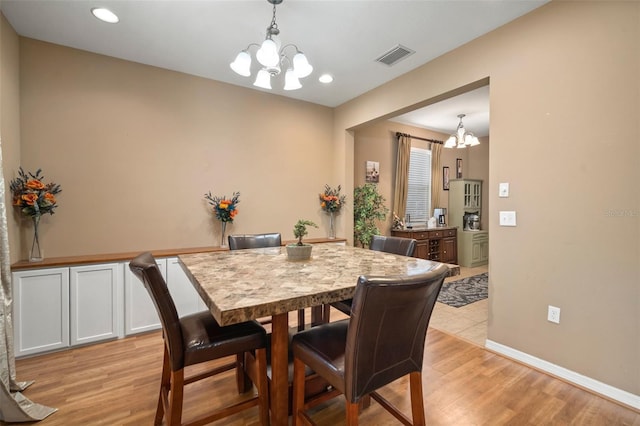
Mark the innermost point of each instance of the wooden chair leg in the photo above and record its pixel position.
(165, 386)
(300, 319)
(174, 411)
(243, 382)
(298, 390)
(352, 409)
(417, 401)
(263, 386)
(365, 402)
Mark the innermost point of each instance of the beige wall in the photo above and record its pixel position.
(10, 120)
(135, 148)
(378, 142)
(565, 135)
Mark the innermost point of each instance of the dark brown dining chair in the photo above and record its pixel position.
(382, 341)
(198, 338)
(250, 241)
(394, 245)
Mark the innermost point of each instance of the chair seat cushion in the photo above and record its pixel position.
(322, 348)
(205, 339)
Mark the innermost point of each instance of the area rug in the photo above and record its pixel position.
(467, 290)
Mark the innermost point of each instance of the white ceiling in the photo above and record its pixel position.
(443, 116)
(201, 37)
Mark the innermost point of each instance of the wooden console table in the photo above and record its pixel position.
(438, 244)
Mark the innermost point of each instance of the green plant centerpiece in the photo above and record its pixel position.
(300, 250)
(368, 208)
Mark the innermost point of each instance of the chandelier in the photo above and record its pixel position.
(461, 138)
(272, 57)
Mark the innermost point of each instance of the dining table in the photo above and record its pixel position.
(243, 285)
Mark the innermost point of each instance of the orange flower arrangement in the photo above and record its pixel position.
(225, 209)
(331, 200)
(33, 197)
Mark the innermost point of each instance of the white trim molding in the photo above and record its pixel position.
(578, 379)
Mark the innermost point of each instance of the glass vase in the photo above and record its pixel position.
(332, 225)
(223, 239)
(36, 254)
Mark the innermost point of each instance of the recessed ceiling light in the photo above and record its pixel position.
(105, 15)
(325, 78)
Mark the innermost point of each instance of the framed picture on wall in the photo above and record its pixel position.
(372, 172)
(458, 168)
(445, 178)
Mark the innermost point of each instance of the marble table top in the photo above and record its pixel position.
(240, 285)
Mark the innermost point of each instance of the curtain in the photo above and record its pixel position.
(14, 407)
(402, 175)
(436, 174)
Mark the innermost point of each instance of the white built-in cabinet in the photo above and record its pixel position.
(140, 313)
(40, 310)
(96, 303)
(55, 308)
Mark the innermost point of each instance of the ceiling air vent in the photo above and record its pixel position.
(395, 55)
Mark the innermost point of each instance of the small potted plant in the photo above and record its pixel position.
(300, 250)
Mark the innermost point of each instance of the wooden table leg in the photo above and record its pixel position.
(279, 370)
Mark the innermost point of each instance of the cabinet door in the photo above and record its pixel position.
(476, 252)
(422, 250)
(140, 313)
(449, 251)
(185, 296)
(96, 302)
(484, 251)
(40, 310)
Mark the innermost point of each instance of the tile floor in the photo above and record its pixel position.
(467, 322)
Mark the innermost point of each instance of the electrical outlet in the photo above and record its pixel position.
(507, 218)
(554, 314)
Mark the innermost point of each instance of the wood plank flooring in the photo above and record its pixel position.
(116, 383)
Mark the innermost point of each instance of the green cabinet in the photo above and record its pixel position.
(473, 248)
(465, 196)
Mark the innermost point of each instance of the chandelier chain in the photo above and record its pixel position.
(273, 19)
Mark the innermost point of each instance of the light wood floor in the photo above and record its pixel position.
(116, 383)
(467, 322)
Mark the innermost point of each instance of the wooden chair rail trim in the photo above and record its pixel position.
(126, 256)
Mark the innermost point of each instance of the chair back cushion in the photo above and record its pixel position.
(388, 328)
(145, 268)
(239, 242)
(395, 245)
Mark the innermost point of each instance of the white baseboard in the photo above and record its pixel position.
(603, 389)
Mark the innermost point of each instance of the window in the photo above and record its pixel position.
(419, 193)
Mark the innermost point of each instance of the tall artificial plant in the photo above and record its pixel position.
(368, 208)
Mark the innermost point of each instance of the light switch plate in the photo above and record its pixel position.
(507, 218)
(503, 190)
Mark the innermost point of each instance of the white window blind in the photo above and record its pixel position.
(419, 194)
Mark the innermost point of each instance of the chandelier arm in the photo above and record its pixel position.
(287, 45)
(246, 49)
(283, 57)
